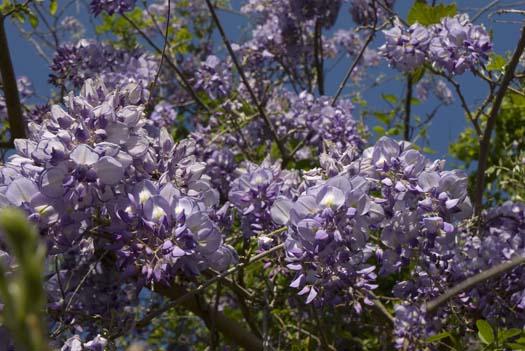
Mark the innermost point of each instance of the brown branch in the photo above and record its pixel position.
(266, 119)
(491, 122)
(474, 280)
(230, 328)
(15, 116)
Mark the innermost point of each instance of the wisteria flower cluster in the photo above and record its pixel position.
(73, 64)
(391, 191)
(95, 176)
(501, 239)
(254, 192)
(111, 6)
(315, 122)
(454, 45)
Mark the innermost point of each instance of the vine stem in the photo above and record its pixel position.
(491, 122)
(356, 61)
(244, 79)
(474, 280)
(15, 116)
(164, 47)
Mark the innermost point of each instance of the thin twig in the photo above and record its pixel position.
(185, 83)
(484, 9)
(356, 61)
(318, 56)
(244, 79)
(474, 280)
(163, 51)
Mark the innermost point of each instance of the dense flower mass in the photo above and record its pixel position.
(95, 176)
(73, 64)
(455, 45)
(314, 122)
(391, 191)
(231, 184)
(254, 192)
(111, 6)
(458, 45)
(406, 48)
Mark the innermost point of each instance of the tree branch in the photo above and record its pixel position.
(474, 280)
(491, 122)
(231, 329)
(15, 116)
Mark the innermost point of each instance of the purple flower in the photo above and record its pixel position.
(458, 45)
(406, 48)
(111, 6)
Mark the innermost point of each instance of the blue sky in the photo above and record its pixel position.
(447, 124)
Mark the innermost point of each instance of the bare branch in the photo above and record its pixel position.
(356, 61)
(163, 51)
(491, 122)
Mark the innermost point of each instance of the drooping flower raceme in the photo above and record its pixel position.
(406, 48)
(73, 64)
(458, 45)
(315, 122)
(254, 192)
(455, 45)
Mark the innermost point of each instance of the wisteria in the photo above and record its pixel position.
(111, 6)
(454, 45)
(189, 181)
(73, 64)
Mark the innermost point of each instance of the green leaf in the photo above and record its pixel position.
(383, 117)
(53, 7)
(390, 98)
(438, 337)
(508, 333)
(485, 332)
(427, 15)
(418, 74)
(496, 63)
(379, 130)
(33, 20)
